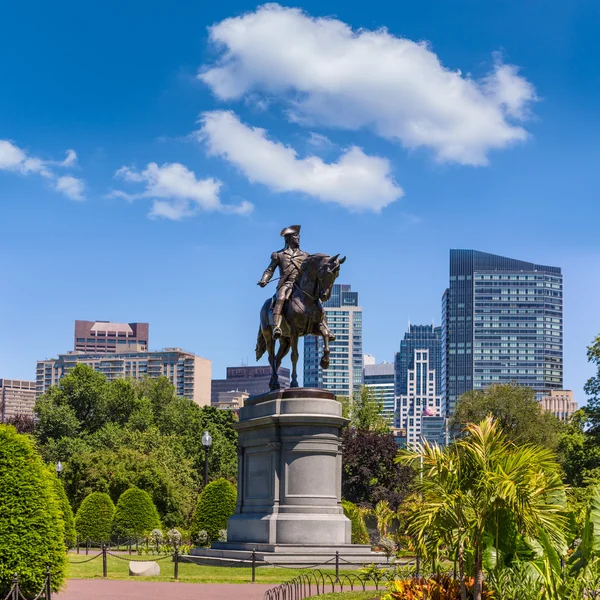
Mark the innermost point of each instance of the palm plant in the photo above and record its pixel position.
(384, 515)
(475, 482)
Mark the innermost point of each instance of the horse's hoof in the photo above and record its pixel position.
(294, 384)
(275, 387)
(324, 363)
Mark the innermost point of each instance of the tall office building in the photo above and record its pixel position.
(419, 412)
(251, 380)
(379, 378)
(107, 337)
(17, 397)
(345, 373)
(502, 322)
(190, 374)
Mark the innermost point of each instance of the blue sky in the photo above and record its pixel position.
(461, 125)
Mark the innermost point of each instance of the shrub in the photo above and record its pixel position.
(136, 514)
(359, 529)
(174, 537)
(66, 512)
(31, 528)
(215, 505)
(201, 538)
(94, 518)
(222, 535)
(442, 587)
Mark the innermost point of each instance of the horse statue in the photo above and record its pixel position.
(303, 314)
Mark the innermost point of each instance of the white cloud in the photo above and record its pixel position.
(176, 192)
(13, 158)
(334, 76)
(356, 181)
(71, 187)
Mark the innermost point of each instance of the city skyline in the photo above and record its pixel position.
(144, 182)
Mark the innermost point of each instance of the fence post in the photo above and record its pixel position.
(337, 565)
(104, 569)
(78, 541)
(129, 545)
(87, 546)
(254, 565)
(15, 586)
(176, 566)
(48, 584)
(418, 565)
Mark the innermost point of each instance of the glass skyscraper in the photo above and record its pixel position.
(502, 322)
(380, 380)
(345, 373)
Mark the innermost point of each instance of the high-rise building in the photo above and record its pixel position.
(106, 337)
(345, 373)
(418, 337)
(502, 322)
(421, 400)
(17, 397)
(379, 378)
(251, 380)
(560, 403)
(190, 374)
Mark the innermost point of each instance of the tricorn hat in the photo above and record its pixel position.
(290, 230)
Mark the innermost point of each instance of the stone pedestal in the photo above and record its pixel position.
(289, 470)
(289, 482)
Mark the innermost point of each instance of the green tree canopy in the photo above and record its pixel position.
(364, 409)
(516, 411)
(135, 515)
(215, 505)
(31, 527)
(592, 389)
(94, 518)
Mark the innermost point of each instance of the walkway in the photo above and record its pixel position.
(108, 589)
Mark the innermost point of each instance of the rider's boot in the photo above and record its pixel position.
(277, 318)
(326, 331)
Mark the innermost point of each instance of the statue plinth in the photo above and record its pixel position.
(289, 470)
(289, 483)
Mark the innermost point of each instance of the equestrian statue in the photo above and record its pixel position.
(305, 282)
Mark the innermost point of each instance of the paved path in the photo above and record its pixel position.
(107, 589)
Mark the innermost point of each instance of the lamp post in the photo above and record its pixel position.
(59, 468)
(206, 442)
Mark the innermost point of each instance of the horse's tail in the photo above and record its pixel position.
(261, 345)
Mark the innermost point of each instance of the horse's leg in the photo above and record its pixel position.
(274, 382)
(294, 344)
(325, 336)
(284, 348)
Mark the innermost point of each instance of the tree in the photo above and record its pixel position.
(592, 389)
(364, 410)
(22, 423)
(516, 411)
(215, 505)
(135, 515)
(31, 528)
(369, 472)
(478, 482)
(579, 450)
(94, 518)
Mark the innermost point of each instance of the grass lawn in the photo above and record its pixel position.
(188, 573)
(349, 596)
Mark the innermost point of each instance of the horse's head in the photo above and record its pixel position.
(328, 272)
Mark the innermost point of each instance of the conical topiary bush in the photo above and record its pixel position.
(215, 505)
(94, 518)
(31, 528)
(65, 510)
(136, 514)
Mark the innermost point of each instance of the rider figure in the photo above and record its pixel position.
(289, 260)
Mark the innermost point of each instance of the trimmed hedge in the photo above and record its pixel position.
(136, 514)
(31, 528)
(215, 505)
(66, 511)
(94, 518)
(360, 535)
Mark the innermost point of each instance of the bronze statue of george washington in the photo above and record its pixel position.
(305, 282)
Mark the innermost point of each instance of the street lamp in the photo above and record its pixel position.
(206, 442)
(59, 468)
